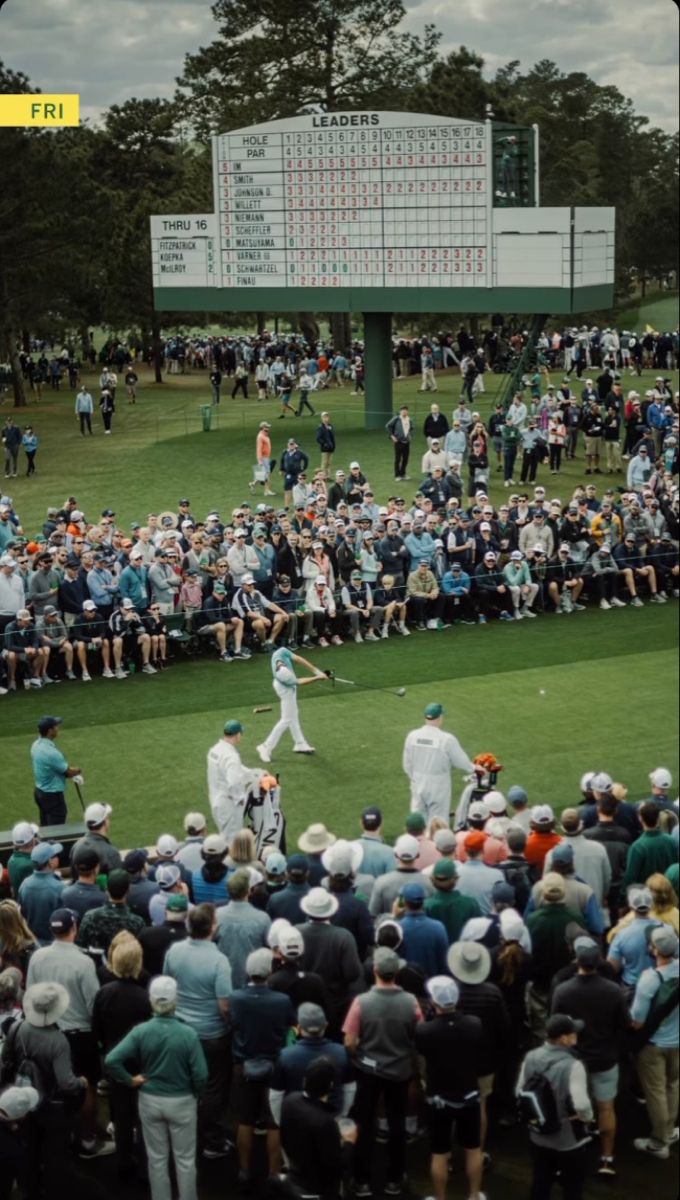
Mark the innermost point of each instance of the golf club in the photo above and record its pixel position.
(371, 687)
(80, 794)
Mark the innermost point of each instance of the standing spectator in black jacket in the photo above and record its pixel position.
(435, 425)
(342, 861)
(451, 1045)
(330, 952)
(601, 1006)
(310, 1135)
(118, 1007)
(470, 965)
(325, 439)
(616, 839)
(73, 592)
(593, 429)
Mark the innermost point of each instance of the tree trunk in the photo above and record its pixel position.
(26, 341)
(18, 388)
(643, 285)
(309, 326)
(261, 319)
(341, 331)
(156, 349)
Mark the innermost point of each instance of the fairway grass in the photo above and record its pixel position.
(550, 698)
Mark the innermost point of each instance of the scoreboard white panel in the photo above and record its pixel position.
(185, 251)
(370, 199)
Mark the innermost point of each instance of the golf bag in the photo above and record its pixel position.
(268, 823)
(566, 601)
(476, 788)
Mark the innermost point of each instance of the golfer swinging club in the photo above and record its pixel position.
(429, 757)
(286, 685)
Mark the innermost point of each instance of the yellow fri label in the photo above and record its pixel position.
(31, 109)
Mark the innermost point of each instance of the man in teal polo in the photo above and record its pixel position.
(50, 770)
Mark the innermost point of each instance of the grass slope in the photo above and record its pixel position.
(660, 313)
(142, 743)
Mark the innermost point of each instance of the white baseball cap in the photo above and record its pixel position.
(406, 847)
(542, 814)
(495, 802)
(167, 845)
(96, 814)
(478, 811)
(661, 778)
(23, 833)
(247, 579)
(163, 987)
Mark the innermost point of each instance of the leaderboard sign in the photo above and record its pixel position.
(354, 199)
(381, 212)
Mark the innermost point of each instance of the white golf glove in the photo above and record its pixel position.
(78, 779)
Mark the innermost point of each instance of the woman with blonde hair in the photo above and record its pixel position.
(664, 906)
(17, 941)
(118, 1007)
(242, 850)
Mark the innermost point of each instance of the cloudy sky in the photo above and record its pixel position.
(110, 50)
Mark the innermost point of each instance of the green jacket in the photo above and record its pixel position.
(653, 852)
(550, 927)
(20, 867)
(167, 1052)
(453, 909)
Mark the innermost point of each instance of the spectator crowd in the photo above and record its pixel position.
(344, 1000)
(332, 562)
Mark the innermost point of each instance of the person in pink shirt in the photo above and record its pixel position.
(427, 851)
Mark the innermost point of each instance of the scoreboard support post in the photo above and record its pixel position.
(378, 356)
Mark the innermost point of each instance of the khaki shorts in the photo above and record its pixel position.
(593, 445)
(485, 1084)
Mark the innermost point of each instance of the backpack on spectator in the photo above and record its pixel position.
(18, 1069)
(537, 1105)
(663, 1004)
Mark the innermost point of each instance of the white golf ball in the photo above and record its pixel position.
(541, 691)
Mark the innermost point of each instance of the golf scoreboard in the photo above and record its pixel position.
(357, 199)
(381, 212)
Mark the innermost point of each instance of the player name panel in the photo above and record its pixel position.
(372, 200)
(185, 251)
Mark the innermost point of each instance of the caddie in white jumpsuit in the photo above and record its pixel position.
(285, 685)
(230, 782)
(430, 754)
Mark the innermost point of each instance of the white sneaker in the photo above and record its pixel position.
(404, 630)
(527, 612)
(120, 673)
(433, 625)
(656, 1149)
(107, 673)
(385, 633)
(147, 669)
(34, 682)
(605, 604)
(304, 749)
(636, 602)
(263, 753)
(71, 675)
(518, 615)
(372, 636)
(86, 678)
(616, 603)
(358, 637)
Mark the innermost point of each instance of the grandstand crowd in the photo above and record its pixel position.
(344, 999)
(332, 562)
